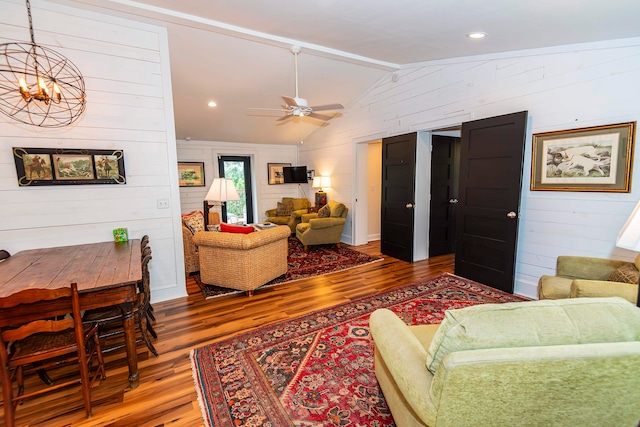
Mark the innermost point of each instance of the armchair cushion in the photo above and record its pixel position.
(534, 323)
(194, 221)
(324, 212)
(627, 273)
(284, 208)
(244, 229)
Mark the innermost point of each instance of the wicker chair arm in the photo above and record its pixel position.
(318, 223)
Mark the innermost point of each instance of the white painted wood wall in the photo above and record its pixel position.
(564, 87)
(129, 106)
(265, 196)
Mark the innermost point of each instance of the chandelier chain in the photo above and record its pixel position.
(33, 40)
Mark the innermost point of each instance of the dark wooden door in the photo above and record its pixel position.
(398, 189)
(445, 154)
(491, 158)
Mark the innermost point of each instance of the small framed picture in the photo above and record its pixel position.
(276, 176)
(37, 167)
(73, 166)
(191, 174)
(106, 166)
(588, 159)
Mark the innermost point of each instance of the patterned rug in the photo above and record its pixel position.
(318, 261)
(317, 370)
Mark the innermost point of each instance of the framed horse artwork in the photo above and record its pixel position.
(62, 166)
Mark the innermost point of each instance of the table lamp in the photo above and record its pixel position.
(629, 236)
(222, 190)
(321, 182)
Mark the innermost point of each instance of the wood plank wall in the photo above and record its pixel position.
(564, 87)
(126, 70)
(266, 196)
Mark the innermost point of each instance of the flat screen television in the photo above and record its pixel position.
(295, 174)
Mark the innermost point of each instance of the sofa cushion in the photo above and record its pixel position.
(285, 208)
(535, 323)
(628, 273)
(194, 221)
(244, 229)
(324, 212)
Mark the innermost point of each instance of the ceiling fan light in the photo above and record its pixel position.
(476, 35)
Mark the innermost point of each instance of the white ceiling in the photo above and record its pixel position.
(236, 52)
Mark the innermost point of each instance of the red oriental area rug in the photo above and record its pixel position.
(317, 369)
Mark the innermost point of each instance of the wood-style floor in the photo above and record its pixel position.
(166, 395)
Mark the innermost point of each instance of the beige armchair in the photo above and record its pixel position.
(314, 230)
(242, 261)
(293, 208)
(578, 276)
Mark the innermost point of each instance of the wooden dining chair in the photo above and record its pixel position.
(4, 254)
(47, 343)
(111, 319)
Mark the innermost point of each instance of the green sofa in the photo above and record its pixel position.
(571, 362)
(299, 205)
(578, 276)
(314, 230)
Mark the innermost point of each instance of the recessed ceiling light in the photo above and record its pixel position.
(477, 35)
(212, 104)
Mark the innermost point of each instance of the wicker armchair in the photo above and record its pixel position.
(191, 260)
(242, 261)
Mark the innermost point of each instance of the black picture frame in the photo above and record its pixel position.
(68, 166)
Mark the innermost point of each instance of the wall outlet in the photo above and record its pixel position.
(163, 203)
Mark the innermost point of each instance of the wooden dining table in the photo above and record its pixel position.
(107, 274)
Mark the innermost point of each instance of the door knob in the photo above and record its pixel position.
(408, 206)
(511, 215)
(453, 201)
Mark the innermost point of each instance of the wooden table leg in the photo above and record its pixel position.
(130, 342)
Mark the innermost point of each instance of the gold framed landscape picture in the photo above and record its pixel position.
(597, 158)
(191, 174)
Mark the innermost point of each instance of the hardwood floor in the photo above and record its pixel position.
(166, 395)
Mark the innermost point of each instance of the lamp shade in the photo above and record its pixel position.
(222, 190)
(629, 236)
(321, 182)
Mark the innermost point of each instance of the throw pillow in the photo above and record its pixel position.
(534, 323)
(244, 229)
(284, 208)
(324, 212)
(194, 221)
(337, 211)
(628, 273)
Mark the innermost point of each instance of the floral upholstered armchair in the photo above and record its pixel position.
(289, 212)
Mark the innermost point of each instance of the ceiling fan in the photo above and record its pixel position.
(299, 107)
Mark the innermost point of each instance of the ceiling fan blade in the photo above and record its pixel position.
(327, 107)
(285, 117)
(268, 109)
(317, 116)
(291, 102)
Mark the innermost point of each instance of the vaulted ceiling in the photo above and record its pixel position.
(236, 52)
